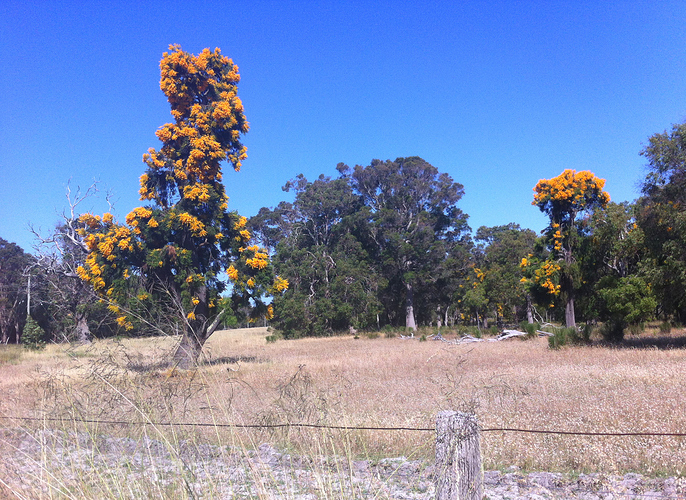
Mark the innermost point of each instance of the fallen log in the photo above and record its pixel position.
(504, 335)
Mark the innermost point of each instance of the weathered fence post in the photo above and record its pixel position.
(458, 473)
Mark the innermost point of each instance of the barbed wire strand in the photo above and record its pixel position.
(346, 427)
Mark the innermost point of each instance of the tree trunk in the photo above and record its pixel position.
(529, 310)
(568, 287)
(570, 319)
(83, 333)
(409, 307)
(196, 333)
(188, 351)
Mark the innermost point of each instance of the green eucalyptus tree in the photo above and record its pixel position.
(414, 221)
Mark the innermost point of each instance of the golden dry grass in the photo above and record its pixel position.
(379, 382)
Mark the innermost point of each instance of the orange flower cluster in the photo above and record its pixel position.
(571, 188)
(557, 236)
(260, 259)
(280, 285)
(197, 228)
(105, 244)
(134, 217)
(206, 131)
(124, 323)
(232, 273)
(90, 220)
(240, 223)
(198, 192)
(544, 275)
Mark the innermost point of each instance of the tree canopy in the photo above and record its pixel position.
(13, 264)
(562, 198)
(184, 243)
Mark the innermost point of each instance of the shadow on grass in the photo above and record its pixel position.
(233, 360)
(663, 342)
(142, 366)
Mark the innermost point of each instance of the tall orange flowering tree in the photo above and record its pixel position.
(185, 246)
(562, 199)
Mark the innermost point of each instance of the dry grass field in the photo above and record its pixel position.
(342, 381)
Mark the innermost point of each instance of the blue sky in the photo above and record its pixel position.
(497, 94)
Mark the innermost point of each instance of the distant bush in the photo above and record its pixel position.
(613, 331)
(474, 331)
(530, 329)
(564, 336)
(273, 338)
(636, 328)
(33, 336)
(626, 301)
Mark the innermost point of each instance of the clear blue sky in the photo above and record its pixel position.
(497, 94)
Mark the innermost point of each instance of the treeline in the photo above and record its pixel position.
(386, 245)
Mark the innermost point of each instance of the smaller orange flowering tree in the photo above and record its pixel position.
(562, 199)
(185, 244)
(540, 280)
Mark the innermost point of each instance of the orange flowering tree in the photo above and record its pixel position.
(184, 246)
(562, 199)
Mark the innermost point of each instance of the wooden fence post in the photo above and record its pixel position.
(458, 472)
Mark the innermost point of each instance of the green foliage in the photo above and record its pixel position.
(354, 257)
(320, 250)
(665, 327)
(416, 233)
(33, 336)
(662, 218)
(564, 336)
(13, 262)
(587, 331)
(613, 331)
(626, 301)
(273, 337)
(499, 256)
(474, 331)
(530, 329)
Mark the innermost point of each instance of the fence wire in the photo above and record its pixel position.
(342, 427)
